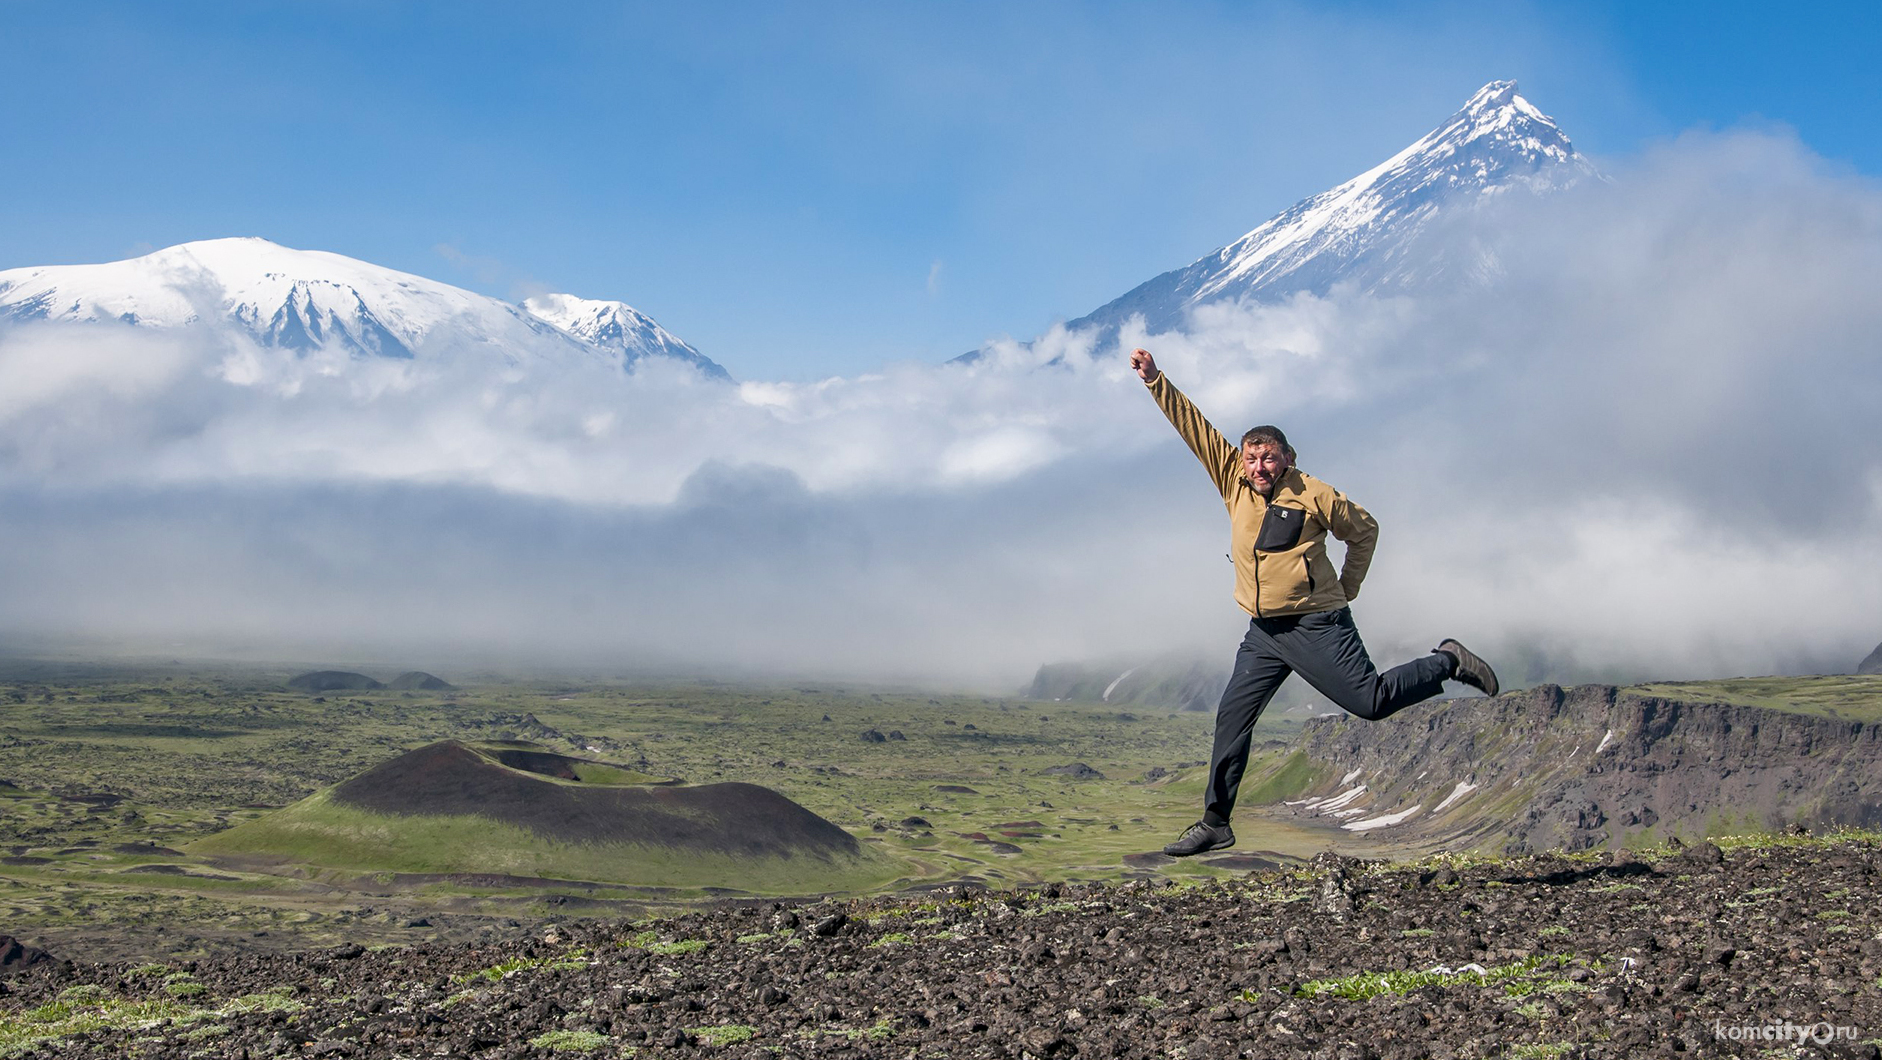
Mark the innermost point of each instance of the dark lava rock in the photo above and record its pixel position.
(874, 736)
(1076, 770)
(15, 955)
(916, 822)
(955, 789)
(346, 951)
(896, 734)
(1546, 955)
(331, 681)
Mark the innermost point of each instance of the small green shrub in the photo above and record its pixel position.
(724, 1034)
(570, 1041)
(1515, 979)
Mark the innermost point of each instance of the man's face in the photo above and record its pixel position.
(1264, 463)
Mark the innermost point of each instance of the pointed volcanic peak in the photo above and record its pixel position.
(1365, 231)
(299, 300)
(618, 327)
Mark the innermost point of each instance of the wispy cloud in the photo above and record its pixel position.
(491, 272)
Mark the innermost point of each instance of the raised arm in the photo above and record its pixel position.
(1217, 453)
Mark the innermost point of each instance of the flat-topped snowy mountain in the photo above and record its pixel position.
(1366, 231)
(305, 300)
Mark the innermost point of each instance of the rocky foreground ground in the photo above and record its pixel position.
(1768, 949)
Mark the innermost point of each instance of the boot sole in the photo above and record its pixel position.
(1467, 659)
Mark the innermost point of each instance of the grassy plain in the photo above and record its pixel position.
(115, 780)
(1847, 697)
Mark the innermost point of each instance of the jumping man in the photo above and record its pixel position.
(1279, 519)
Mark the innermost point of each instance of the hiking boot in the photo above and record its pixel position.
(1471, 670)
(1200, 838)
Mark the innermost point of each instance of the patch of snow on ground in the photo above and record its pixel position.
(1350, 777)
(1112, 687)
(1462, 789)
(1383, 821)
(1605, 740)
(1337, 801)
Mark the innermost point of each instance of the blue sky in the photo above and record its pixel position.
(811, 189)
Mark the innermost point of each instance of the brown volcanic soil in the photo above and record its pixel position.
(449, 778)
(1623, 958)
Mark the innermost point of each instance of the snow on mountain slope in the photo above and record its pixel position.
(305, 300)
(617, 326)
(1366, 231)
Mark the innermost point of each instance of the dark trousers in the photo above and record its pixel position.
(1324, 648)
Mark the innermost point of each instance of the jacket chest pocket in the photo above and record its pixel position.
(1280, 529)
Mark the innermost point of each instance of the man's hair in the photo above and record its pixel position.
(1267, 434)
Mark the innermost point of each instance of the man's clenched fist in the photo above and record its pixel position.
(1144, 365)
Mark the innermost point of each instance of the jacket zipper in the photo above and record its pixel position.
(1256, 553)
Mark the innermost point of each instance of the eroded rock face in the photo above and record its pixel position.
(1585, 956)
(1873, 663)
(1554, 768)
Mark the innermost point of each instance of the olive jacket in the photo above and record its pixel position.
(1278, 544)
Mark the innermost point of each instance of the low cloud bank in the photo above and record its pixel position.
(1636, 448)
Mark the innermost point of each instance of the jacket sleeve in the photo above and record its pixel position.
(1216, 453)
(1360, 531)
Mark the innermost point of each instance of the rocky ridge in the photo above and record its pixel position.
(1702, 951)
(1554, 768)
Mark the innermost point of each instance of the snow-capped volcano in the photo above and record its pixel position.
(305, 300)
(616, 326)
(1366, 231)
